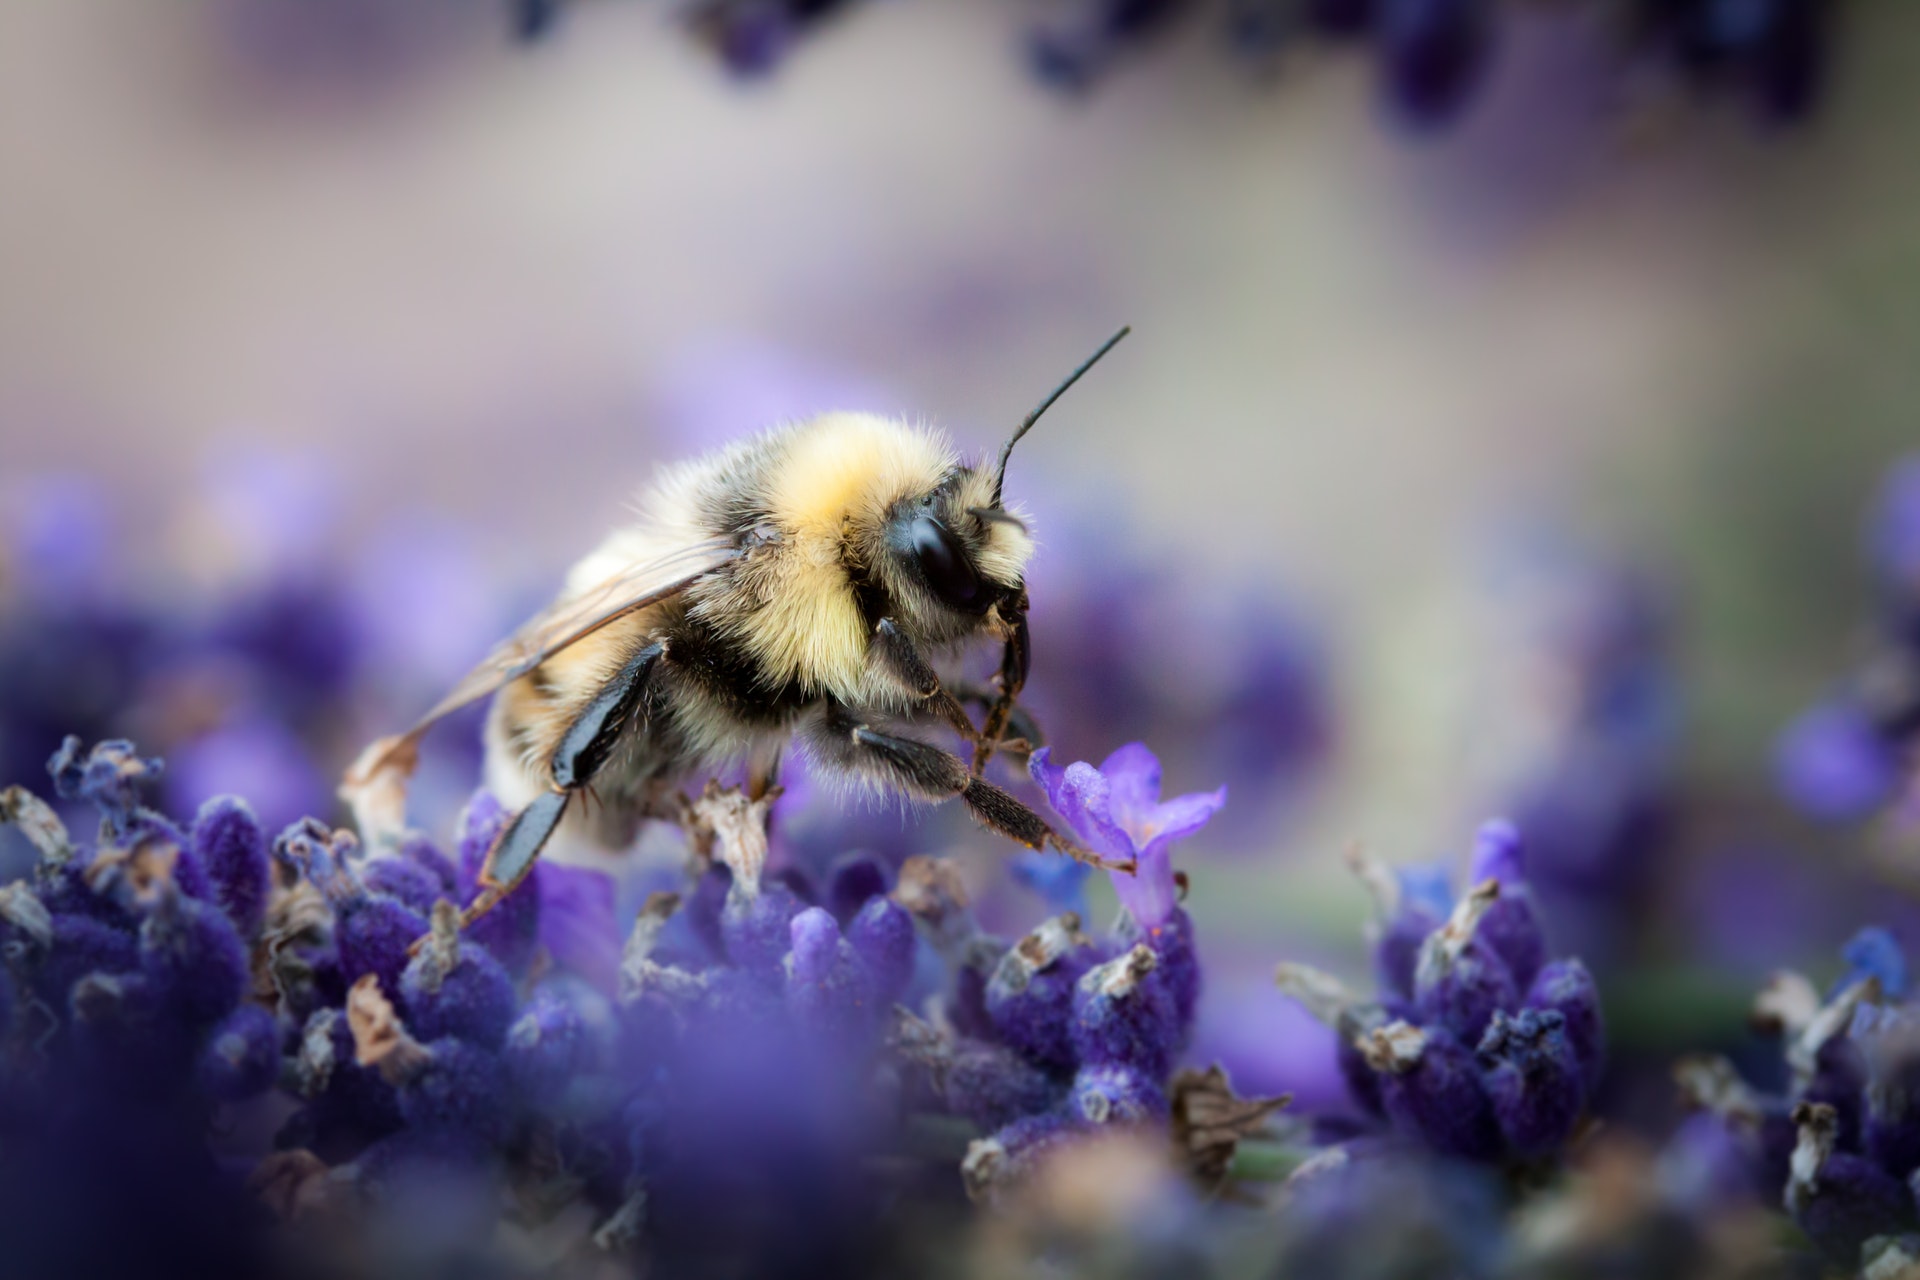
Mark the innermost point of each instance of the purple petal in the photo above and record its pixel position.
(1498, 854)
(1051, 777)
(1149, 894)
(1080, 794)
(578, 926)
(1181, 816)
(1133, 775)
(1834, 765)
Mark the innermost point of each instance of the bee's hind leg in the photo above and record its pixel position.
(921, 769)
(584, 749)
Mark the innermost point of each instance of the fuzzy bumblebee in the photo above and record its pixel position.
(796, 586)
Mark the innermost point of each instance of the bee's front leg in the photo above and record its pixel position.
(844, 738)
(1015, 661)
(900, 659)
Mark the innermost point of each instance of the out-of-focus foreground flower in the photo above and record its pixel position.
(733, 1081)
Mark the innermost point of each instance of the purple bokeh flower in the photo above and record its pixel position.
(1835, 764)
(1117, 811)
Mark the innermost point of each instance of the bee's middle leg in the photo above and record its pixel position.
(926, 771)
(584, 749)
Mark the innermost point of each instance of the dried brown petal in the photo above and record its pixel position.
(38, 823)
(380, 1039)
(1209, 1120)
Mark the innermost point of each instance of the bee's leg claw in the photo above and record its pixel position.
(1080, 853)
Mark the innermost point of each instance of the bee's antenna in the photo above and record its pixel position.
(1026, 425)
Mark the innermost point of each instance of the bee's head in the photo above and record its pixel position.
(957, 557)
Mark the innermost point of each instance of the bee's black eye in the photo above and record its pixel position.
(944, 563)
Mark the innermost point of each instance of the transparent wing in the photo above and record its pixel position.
(542, 636)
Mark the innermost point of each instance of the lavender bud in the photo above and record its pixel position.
(1874, 953)
(545, 1046)
(80, 945)
(1533, 1077)
(1889, 1043)
(756, 927)
(348, 1105)
(1120, 1018)
(1404, 919)
(854, 881)
(1511, 925)
(511, 931)
(989, 1084)
(405, 881)
(449, 1086)
(371, 932)
(1566, 987)
(242, 1057)
(1827, 1065)
(1840, 1081)
(423, 853)
(196, 962)
(461, 1089)
(1759, 1124)
(1838, 1199)
(827, 986)
(1031, 994)
(454, 988)
(1116, 1094)
(231, 846)
(109, 777)
(1348, 1017)
(996, 1164)
(992, 1085)
(1460, 981)
(1179, 967)
(882, 936)
(1430, 1087)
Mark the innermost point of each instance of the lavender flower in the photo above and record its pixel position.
(1458, 1054)
(1839, 1146)
(1116, 809)
(232, 847)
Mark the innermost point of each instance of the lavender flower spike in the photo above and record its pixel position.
(1116, 809)
(1840, 1200)
(1460, 980)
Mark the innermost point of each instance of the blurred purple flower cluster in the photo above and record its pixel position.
(1849, 754)
(1836, 1141)
(255, 648)
(709, 1086)
(1585, 753)
(1477, 1046)
(1433, 57)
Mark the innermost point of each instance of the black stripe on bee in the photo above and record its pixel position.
(723, 668)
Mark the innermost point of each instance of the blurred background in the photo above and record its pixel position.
(1520, 468)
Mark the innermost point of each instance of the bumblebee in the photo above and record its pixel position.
(793, 588)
